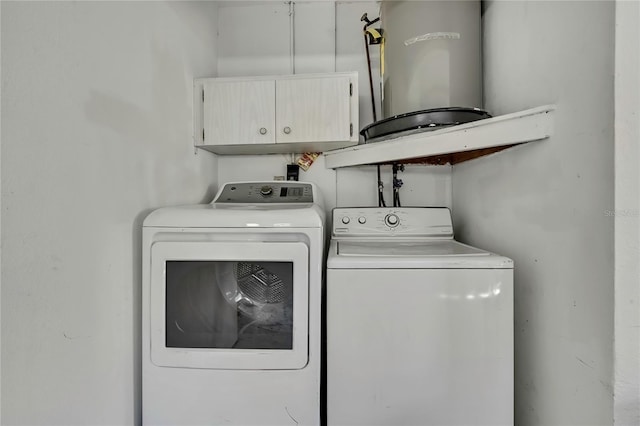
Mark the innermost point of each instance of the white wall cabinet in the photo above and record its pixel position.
(280, 114)
(239, 112)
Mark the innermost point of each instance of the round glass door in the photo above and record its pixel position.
(229, 304)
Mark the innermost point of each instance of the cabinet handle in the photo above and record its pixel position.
(287, 130)
(263, 131)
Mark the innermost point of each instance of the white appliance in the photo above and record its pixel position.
(232, 308)
(419, 326)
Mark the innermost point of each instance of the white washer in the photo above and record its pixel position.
(419, 326)
(232, 308)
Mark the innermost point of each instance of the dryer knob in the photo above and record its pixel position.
(345, 220)
(266, 190)
(362, 220)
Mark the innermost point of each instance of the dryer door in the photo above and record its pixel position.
(229, 305)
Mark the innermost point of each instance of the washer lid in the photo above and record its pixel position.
(447, 254)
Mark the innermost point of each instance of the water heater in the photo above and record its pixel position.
(432, 55)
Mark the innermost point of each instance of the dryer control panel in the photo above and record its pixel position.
(284, 192)
(392, 221)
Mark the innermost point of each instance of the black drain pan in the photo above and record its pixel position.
(421, 121)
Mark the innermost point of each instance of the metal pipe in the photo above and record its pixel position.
(364, 18)
(373, 101)
(367, 24)
(292, 37)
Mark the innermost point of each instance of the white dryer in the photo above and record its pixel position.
(419, 326)
(232, 308)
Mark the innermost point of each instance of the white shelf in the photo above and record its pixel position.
(452, 144)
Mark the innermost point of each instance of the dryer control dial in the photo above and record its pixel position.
(346, 220)
(266, 190)
(391, 220)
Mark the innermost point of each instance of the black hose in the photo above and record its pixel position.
(381, 202)
(397, 184)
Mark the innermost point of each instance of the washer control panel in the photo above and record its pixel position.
(392, 221)
(265, 193)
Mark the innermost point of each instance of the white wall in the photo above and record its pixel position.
(545, 204)
(351, 186)
(0, 226)
(96, 114)
(262, 38)
(627, 214)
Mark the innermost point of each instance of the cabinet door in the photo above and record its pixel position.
(313, 110)
(241, 112)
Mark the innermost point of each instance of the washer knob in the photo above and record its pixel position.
(266, 191)
(391, 220)
(362, 220)
(345, 220)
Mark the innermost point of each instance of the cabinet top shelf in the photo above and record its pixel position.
(202, 80)
(452, 144)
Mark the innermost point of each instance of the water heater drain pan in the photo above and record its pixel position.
(421, 121)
